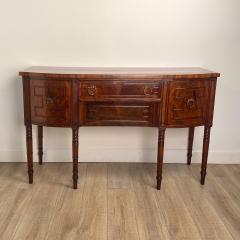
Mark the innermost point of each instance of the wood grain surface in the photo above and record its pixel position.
(110, 72)
(119, 202)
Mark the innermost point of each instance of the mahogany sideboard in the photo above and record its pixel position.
(151, 97)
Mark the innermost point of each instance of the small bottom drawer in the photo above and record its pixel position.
(117, 114)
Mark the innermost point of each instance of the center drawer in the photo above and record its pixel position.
(119, 89)
(118, 113)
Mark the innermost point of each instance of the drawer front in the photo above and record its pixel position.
(50, 102)
(187, 103)
(117, 114)
(117, 89)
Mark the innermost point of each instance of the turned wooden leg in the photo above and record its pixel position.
(29, 152)
(206, 140)
(190, 144)
(40, 144)
(75, 155)
(160, 157)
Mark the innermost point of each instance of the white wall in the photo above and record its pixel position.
(121, 33)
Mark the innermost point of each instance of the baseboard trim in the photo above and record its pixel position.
(121, 155)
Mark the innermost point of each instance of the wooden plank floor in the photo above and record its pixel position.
(118, 201)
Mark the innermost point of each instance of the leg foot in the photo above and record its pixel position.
(206, 140)
(30, 177)
(75, 183)
(203, 175)
(159, 181)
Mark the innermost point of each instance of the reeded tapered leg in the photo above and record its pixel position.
(40, 144)
(161, 136)
(206, 140)
(190, 144)
(75, 155)
(29, 152)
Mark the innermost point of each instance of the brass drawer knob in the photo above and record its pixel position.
(92, 90)
(148, 90)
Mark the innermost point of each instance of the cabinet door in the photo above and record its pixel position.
(50, 102)
(187, 103)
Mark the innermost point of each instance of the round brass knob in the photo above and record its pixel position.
(148, 90)
(92, 90)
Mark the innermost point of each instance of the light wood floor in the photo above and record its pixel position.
(119, 201)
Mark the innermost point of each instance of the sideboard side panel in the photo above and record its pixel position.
(213, 84)
(26, 100)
